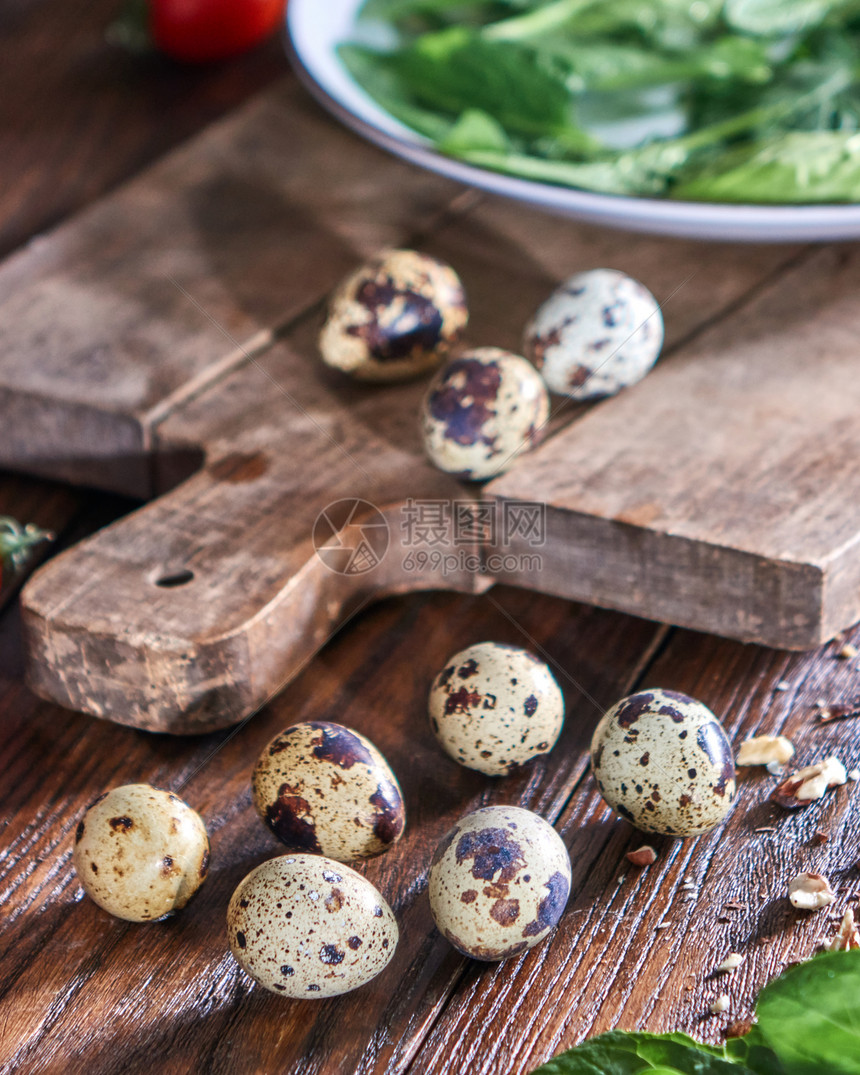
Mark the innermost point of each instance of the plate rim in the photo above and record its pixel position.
(312, 56)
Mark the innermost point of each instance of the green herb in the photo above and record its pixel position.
(809, 1019)
(808, 1023)
(622, 1053)
(16, 541)
(821, 166)
(716, 100)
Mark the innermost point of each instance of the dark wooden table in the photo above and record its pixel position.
(81, 992)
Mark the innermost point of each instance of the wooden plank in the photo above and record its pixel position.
(282, 439)
(80, 114)
(107, 637)
(637, 948)
(161, 287)
(721, 492)
(78, 989)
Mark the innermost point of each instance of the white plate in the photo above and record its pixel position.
(316, 27)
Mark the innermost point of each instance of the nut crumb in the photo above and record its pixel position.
(819, 838)
(847, 653)
(720, 1005)
(846, 937)
(808, 784)
(829, 711)
(810, 892)
(765, 750)
(731, 963)
(738, 1029)
(642, 856)
(854, 774)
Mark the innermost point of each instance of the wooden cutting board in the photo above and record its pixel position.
(163, 345)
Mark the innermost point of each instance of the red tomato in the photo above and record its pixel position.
(199, 30)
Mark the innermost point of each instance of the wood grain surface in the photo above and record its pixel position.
(164, 328)
(81, 992)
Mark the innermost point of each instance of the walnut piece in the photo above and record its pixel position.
(732, 961)
(809, 784)
(765, 749)
(738, 1029)
(721, 1004)
(846, 937)
(642, 856)
(810, 892)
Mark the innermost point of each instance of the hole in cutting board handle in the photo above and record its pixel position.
(168, 580)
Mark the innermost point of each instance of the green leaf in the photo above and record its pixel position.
(454, 70)
(810, 1018)
(369, 70)
(773, 18)
(798, 167)
(670, 24)
(604, 177)
(475, 130)
(622, 1053)
(604, 66)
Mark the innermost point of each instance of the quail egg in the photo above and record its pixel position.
(499, 881)
(481, 410)
(141, 853)
(662, 760)
(396, 317)
(598, 333)
(325, 788)
(494, 707)
(305, 926)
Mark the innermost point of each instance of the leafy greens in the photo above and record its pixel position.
(712, 100)
(808, 1023)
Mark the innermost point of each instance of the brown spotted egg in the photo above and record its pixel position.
(598, 333)
(141, 853)
(306, 927)
(499, 881)
(396, 317)
(662, 760)
(322, 787)
(481, 411)
(494, 707)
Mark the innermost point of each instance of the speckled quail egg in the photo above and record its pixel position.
(598, 333)
(481, 410)
(305, 926)
(396, 317)
(325, 788)
(494, 707)
(499, 881)
(141, 853)
(662, 760)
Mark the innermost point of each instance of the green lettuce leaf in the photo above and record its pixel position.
(801, 166)
(622, 1053)
(809, 1018)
